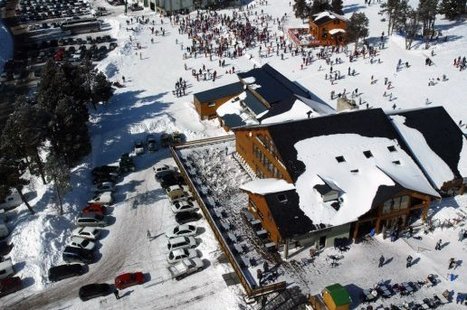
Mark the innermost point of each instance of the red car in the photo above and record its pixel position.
(10, 285)
(94, 208)
(129, 279)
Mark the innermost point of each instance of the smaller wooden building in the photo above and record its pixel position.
(336, 297)
(328, 28)
(207, 102)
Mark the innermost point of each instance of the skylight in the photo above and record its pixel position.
(367, 154)
(340, 159)
(392, 148)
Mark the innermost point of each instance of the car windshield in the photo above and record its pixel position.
(176, 230)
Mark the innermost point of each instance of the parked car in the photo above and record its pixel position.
(86, 232)
(177, 193)
(129, 279)
(79, 242)
(106, 170)
(181, 231)
(10, 285)
(6, 269)
(58, 273)
(176, 138)
(126, 163)
(177, 255)
(94, 208)
(163, 170)
(104, 198)
(104, 187)
(77, 255)
(170, 179)
(92, 220)
(181, 243)
(94, 290)
(151, 143)
(139, 147)
(186, 267)
(165, 140)
(187, 217)
(183, 205)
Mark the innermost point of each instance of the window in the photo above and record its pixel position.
(340, 159)
(368, 154)
(405, 200)
(212, 104)
(282, 198)
(396, 162)
(392, 148)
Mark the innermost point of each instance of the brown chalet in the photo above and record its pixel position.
(331, 177)
(207, 102)
(328, 28)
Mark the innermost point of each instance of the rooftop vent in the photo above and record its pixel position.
(340, 159)
(282, 198)
(396, 162)
(354, 171)
(368, 154)
(392, 148)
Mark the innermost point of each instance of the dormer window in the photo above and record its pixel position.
(282, 198)
(396, 162)
(340, 159)
(354, 171)
(392, 148)
(368, 154)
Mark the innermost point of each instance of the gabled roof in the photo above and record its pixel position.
(326, 16)
(289, 218)
(219, 92)
(436, 141)
(271, 85)
(328, 186)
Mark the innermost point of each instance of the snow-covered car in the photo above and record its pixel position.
(86, 232)
(181, 243)
(82, 243)
(104, 198)
(177, 255)
(183, 205)
(151, 143)
(186, 267)
(162, 170)
(104, 187)
(181, 231)
(139, 147)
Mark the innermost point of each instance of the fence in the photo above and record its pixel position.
(250, 291)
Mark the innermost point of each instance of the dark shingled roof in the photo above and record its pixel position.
(233, 120)
(274, 86)
(367, 123)
(288, 216)
(323, 189)
(441, 133)
(254, 104)
(219, 92)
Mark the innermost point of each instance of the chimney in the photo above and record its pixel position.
(309, 114)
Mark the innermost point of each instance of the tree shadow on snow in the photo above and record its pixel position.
(19, 266)
(127, 293)
(355, 293)
(28, 281)
(200, 231)
(352, 8)
(415, 261)
(446, 202)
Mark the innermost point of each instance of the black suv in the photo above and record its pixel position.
(172, 178)
(186, 217)
(94, 290)
(78, 255)
(61, 272)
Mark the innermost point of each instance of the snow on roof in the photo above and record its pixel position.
(324, 14)
(233, 107)
(267, 186)
(336, 30)
(249, 80)
(437, 170)
(357, 175)
(298, 111)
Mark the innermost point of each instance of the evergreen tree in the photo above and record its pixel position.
(357, 27)
(395, 10)
(319, 6)
(427, 10)
(101, 89)
(11, 172)
(452, 9)
(58, 172)
(300, 9)
(411, 27)
(337, 7)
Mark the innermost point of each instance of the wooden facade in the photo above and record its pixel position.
(256, 147)
(320, 31)
(258, 206)
(207, 110)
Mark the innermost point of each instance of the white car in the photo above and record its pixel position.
(181, 243)
(139, 147)
(78, 242)
(104, 198)
(186, 267)
(104, 187)
(162, 170)
(181, 231)
(183, 205)
(86, 232)
(177, 255)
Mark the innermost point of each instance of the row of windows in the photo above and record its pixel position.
(266, 163)
(368, 154)
(268, 144)
(396, 204)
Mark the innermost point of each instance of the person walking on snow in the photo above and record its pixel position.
(381, 261)
(409, 261)
(117, 296)
(438, 245)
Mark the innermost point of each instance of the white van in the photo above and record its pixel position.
(12, 200)
(3, 229)
(6, 269)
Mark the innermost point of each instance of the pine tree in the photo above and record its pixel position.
(452, 9)
(319, 6)
(101, 89)
(58, 173)
(300, 9)
(337, 7)
(427, 10)
(357, 27)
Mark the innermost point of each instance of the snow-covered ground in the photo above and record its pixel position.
(147, 105)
